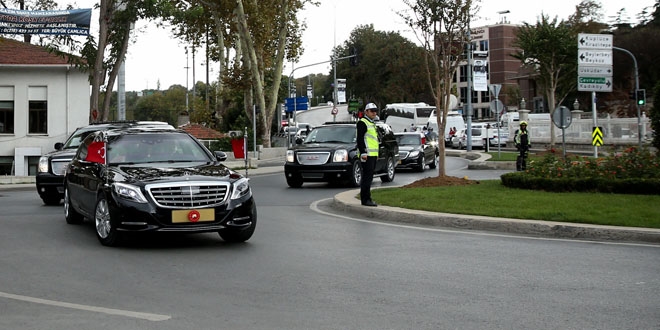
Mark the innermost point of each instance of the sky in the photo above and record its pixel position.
(156, 60)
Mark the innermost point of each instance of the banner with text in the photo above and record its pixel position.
(60, 22)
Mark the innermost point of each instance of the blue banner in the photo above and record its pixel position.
(60, 22)
(300, 103)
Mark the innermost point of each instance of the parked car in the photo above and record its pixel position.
(155, 180)
(415, 151)
(329, 154)
(50, 171)
(460, 139)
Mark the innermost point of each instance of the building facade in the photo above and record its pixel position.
(43, 99)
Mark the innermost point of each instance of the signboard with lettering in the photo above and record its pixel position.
(59, 22)
(595, 62)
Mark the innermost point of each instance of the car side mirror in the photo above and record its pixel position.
(220, 155)
(299, 140)
(59, 146)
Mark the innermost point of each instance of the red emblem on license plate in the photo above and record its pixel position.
(193, 216)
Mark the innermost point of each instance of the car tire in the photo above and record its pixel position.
(356, 174)
(421, 165)
(436, 161)
(391, 167)
(294, 182)
(51, 200)
(70, 214)
(105, 230)
(240, 235)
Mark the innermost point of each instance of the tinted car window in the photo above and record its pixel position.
(412, 140)
(151, 148)
(330, 134)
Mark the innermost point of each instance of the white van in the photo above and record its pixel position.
(454, 120)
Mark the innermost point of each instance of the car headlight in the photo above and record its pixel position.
(241, 188)
(341, 155)
(414, 154)
(129, 192)
(43, 164)
(290, 154)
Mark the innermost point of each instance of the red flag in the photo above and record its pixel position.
(238, 148)
(96, 152)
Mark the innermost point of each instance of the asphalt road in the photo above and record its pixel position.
(309, 268)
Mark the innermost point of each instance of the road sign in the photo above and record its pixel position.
(562, 117)
(594, 84)
(495, 89)
(496, 106)
(334, 111)
(595, 41)
(595, 71)
(299, 103)
(595, 57)
(597, 136)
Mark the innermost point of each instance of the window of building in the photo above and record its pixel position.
(463, 73)
(38, 117)
(33, 163)
(37, 110)
(7, 117)
(6, 165)
(463, 92)
(483, 45)
(475, 96)
(6, 110)
(485, 96)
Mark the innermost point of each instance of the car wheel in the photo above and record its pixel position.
(72, 217)
(421, 165)
(294, 182)
(105, 231)
(51, 200)
(436, 161)
(236, 235)
(391, 167)
(356, 174)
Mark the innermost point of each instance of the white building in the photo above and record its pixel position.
(42, 100)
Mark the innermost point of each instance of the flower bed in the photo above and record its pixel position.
(632, 171)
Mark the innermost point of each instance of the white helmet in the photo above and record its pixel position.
(370, 106)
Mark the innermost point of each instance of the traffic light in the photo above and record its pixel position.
(641, 96)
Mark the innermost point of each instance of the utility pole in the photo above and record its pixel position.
(468, 104)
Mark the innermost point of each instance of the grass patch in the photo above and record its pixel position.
(491, 198)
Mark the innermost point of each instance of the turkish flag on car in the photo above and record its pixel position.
(96, 152)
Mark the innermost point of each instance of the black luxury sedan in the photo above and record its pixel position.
(417, 150)
(155, 180)
(329, 154)
(50, 172)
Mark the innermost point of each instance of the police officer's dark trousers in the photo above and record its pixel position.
(368, 167)
(521, 160)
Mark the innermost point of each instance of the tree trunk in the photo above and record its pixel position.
(98, 71)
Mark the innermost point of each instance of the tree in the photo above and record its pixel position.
(389, 68)
(549, 48)
(442, 28)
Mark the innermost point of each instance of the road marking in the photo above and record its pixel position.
(111, 311)
(314, 207)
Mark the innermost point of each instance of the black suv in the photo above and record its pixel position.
(50, 174)
(329, 154)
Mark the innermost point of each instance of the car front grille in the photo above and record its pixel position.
(403, 154)
(188, 194)
(59, 166)
(313, 158)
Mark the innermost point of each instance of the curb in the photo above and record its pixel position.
(347, 201)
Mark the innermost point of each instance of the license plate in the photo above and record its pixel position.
(200, 215)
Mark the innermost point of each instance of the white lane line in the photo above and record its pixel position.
(315, 207)
(111, 311)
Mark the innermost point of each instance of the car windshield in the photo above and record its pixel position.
(408, 140)
(154, 148)
(78, 136)
(332, 134)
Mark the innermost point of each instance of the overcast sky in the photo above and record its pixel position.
(158, 58)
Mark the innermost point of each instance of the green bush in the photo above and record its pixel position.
(633, 171)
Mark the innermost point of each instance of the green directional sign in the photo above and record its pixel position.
(592, 80)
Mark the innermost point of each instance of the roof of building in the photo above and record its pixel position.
(14, 52)
(202, 132)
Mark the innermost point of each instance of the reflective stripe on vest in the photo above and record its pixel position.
(370, 137)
